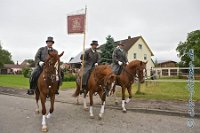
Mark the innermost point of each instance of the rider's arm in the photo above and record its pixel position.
(38, 56)
(115, 56)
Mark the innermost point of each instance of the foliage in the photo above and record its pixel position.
(26, 72)
(69, 77)
(107, 50)
(5, 57)
(192, 42)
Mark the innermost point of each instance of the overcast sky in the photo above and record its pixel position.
(25, 24)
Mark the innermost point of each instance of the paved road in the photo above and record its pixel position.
(17, 116)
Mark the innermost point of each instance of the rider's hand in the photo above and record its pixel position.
(127, 63)
(41, 63)
(120, 63)
(96, 64)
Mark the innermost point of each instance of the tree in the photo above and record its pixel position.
(5, 57)
(192, 42)
(107, 50)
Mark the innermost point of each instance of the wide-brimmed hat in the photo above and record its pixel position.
(49, 39)
(94, 43)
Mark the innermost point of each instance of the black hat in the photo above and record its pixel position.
(50, 39)
(94, 43)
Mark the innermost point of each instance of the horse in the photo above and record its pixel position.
(47, 84)
(127, 77)
(100, 81)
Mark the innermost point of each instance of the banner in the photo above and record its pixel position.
(76, 23)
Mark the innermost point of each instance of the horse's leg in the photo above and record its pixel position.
(43, 100)
(130, 95)
(52, 106)
(103, 99)
(84, 102)
(91, 105)
(37, 95)
(123, 99)
(114, 95)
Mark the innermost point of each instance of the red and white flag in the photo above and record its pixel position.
(76, 23)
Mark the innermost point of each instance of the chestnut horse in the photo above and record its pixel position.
(127, 77)
(47, 85)
(101, 81)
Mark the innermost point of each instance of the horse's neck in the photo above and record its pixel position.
(131, 70)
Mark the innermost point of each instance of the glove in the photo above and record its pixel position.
(120, 63)
(127, 63)
(41, 63)
(96, 64)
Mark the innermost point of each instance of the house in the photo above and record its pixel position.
(13, 68)
(136, 48)
(167, 63)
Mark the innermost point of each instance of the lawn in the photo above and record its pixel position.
(18, 81)
(152, 90)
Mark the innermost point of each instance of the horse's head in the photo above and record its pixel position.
(140, 68)
(53, 60)
(109, 82)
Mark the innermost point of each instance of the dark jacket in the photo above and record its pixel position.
(118, 55)
(42, 55)
(90, 58)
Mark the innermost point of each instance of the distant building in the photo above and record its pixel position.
(168, 63)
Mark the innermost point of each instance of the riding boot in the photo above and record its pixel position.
(83, 89)
(31, 90)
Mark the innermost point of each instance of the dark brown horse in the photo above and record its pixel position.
(47, 85)
(135, 69)
(100, 81)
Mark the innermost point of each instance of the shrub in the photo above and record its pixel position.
(69, 77)
(26, 72)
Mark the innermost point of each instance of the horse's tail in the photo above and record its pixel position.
(77, 92)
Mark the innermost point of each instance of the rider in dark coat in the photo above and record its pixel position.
(40, 58)
(119, 57)
(91, 59)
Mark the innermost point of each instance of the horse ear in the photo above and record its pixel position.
(61, 54)
(50, 54)
(141, 63)
(146, 62)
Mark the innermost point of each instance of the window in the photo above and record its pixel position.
(134, 56)
(140, 46)
(145, 56)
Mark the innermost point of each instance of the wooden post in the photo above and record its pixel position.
(83, 52)
(138, 90)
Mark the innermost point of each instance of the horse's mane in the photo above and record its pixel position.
(134, 63)
(103, 69)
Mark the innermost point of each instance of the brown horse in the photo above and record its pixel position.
(100, 81)
(47, 85)
(127, 77)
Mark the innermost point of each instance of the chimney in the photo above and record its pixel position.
(129, 37)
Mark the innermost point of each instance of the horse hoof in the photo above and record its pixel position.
(124, 111)
(37, 111)
(85, 109)
(100, 117)
(91, 116)
(44, 129)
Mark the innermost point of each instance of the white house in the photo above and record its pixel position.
(138, 49)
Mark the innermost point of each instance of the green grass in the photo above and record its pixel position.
(18, 81)
(166, 91)
(153, 90)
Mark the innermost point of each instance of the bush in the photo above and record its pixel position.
(69, 77)
(26, 72)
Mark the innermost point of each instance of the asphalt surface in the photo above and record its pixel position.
(17, 116)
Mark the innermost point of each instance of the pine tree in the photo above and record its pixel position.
(107, 50)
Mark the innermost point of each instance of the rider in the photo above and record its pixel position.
(119, 57)
(91, 59)
(40, 57)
